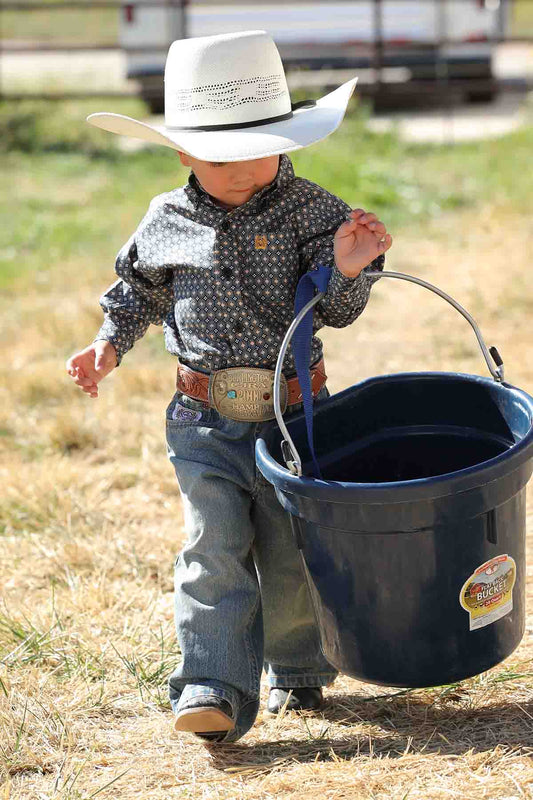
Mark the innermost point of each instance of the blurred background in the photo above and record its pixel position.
(438, 141)
(447, 55)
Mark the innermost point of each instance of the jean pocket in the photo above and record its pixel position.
(184, 412)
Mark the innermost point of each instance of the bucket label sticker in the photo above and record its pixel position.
(487, 594)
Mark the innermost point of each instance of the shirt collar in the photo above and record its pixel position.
(198, 196)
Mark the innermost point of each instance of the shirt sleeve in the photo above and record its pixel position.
(133, 302)
(345, 297)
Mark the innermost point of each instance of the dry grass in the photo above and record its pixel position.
(92, 523)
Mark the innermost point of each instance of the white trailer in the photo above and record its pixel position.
(426, 39)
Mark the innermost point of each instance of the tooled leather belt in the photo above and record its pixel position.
(245, 393)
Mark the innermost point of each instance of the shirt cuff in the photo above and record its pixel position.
(342, 283)
(109, 332)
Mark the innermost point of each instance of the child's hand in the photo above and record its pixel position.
(359, 241)
(89, 366)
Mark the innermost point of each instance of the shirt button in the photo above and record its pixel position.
(226, 272)
(238, 327)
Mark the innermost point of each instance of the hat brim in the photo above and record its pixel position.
(305, 127)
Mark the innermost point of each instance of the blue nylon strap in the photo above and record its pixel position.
(318, 280)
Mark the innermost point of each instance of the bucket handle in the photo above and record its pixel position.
(290, 453)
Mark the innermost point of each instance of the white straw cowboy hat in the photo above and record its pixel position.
(226, 99)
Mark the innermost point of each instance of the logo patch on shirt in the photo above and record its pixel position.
(261, 242)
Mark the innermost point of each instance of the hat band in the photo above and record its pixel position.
(239, 125)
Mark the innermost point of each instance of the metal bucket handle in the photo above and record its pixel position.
(290, 453)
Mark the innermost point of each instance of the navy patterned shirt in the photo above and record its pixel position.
(222, 282)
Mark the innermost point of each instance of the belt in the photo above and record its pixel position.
(245, 393)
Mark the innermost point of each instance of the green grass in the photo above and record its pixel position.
(78, 197)
(521, 23)
(63, 26)
(92, 518)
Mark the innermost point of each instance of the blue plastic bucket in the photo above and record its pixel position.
(413, 540)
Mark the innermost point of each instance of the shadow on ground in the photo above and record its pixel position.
(389, 729)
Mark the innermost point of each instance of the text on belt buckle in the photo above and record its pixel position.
(246, 394)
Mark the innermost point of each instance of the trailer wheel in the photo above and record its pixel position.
(151, 90)
(482, 95)
(487, 90)
(154, 103)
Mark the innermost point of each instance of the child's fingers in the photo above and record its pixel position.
(385, 243)
(71, 366)
(346, 229)
(368, 219)
(353, 218)
(88, 373)
(83, 373)
(82, 380)
(87, 385)
(75, 367)
(74, 373)
(90, 388)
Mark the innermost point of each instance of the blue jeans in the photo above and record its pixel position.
(241, 601)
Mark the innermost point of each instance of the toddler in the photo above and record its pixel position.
(216, 262)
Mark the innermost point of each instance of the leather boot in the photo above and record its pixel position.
(210, 718)
(304, 698)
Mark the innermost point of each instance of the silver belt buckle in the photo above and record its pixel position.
(246, 394)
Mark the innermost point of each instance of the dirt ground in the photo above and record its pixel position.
(94, 522)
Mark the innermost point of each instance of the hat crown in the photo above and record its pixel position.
(226, 80)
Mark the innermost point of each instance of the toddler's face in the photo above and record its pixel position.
(233, 183)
